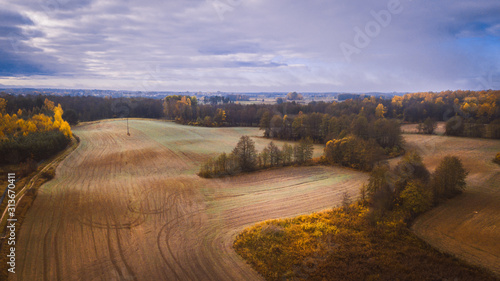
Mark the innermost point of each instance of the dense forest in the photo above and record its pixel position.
(33, 134)
(87, 108)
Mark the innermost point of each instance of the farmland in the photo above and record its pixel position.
(466, 226)
(131, 207)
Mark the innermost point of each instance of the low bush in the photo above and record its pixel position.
(49, 173)
(497, 158)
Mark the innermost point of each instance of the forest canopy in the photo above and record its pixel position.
(27, 134)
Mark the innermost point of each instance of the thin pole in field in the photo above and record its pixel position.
(128, 133)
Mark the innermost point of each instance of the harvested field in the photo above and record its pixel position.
(467, 226)
(131, 207)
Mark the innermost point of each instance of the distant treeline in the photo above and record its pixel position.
(471, 113)
(467, 113)
(214, 100)
(187, 110)
(87, 108)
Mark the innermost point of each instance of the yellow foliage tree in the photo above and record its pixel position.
(3, 105)
(220, 116)
(65, 129)
(380, 111)
(397, 101)
(30, 127)
(13, 125)
(49, 104)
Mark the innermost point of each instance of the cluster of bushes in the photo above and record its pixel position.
(497, 158)
(49, 173)
(244, 158)
(409, 189)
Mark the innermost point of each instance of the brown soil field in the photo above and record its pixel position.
(467, 226)
(131, 207)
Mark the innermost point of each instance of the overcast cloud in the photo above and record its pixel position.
(251, 45)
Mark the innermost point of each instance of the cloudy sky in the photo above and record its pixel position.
(251, 45)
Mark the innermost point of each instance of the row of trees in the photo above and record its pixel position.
(187, 110)
(461, 127)
(409, 187)
(323, 127)
(245, 158)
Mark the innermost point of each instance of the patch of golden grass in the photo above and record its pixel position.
(341, 245)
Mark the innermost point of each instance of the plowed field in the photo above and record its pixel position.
(131, 207)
